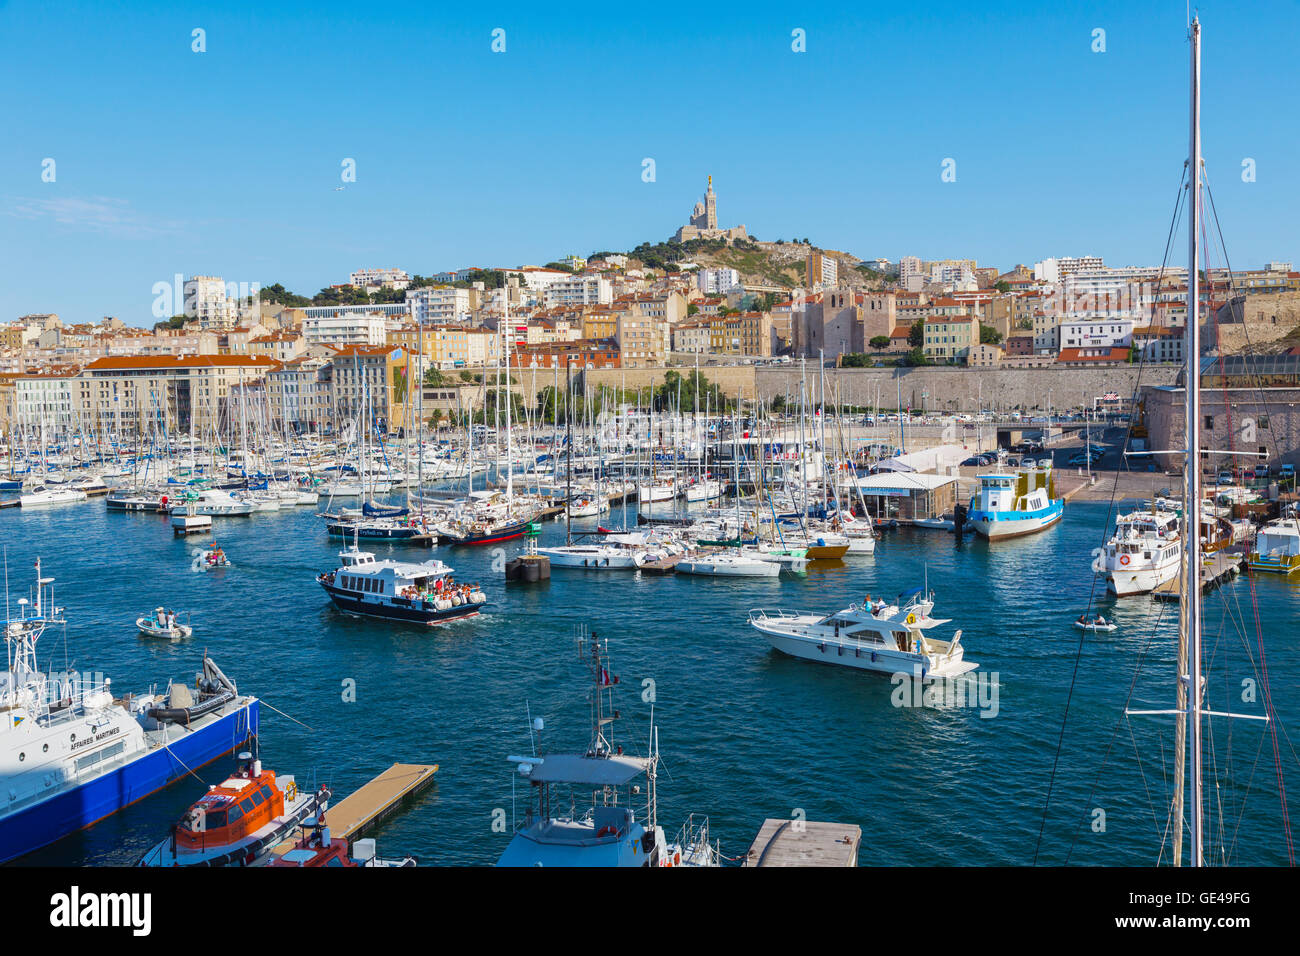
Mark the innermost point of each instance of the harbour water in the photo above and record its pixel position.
(746, 733)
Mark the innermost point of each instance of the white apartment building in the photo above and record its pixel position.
(379, 279)
(717, 281)
(215, 304)
(1065, 266)
(45, 399)
(345, 328)
(578, 290)
(440, 305)
(538, 279)
(1096, 333)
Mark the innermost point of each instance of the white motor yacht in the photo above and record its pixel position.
(42, 496)
(888, 638)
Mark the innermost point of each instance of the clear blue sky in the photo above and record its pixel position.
(226, 162)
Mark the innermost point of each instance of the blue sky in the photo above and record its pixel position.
(226, 162)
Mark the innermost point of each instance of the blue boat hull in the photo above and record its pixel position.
(43, 823)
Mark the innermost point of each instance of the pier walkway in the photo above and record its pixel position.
(379, 799)
(805, 843)
(1216, 568)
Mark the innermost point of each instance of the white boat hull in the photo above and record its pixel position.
(1123, 581)
(881, 660)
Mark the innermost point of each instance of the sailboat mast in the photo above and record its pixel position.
(1191, 505)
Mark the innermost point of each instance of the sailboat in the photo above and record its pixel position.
(1190, 708)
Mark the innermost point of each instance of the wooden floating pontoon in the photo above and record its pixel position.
(379, 799)
(1217, 568)
(805, 843)
(666, 565)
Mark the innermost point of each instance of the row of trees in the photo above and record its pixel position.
(554, 403)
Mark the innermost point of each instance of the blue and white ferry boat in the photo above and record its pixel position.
(72, 754)
(619, 827)
(1008, 506)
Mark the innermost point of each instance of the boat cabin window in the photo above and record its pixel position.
(265, 793)
(214, 819)
(236, 813)
(247, 805)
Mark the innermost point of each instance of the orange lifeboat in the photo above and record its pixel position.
(238, 821)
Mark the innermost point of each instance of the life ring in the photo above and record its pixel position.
(605, 831)
(1124, 559)
(291, 791)
(911, 619)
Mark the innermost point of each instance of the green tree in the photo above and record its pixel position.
(435, 419)
(435, 378)
(880, 342)
(277, 294)
(857, 359)
(917, 357)
(916, 334)
(1002, 286)
(989, 335)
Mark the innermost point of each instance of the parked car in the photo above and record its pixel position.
(1225, 478)
(973, 462)
(1079, 459)
(1261, 471)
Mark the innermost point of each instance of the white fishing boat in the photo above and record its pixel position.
(1008, 506)
(163, 623)
(1144, 551)
(887, 638)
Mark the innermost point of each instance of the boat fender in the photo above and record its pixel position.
(873, 657)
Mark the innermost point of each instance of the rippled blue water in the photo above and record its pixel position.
(746, 733)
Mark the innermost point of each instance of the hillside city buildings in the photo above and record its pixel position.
(316, 365)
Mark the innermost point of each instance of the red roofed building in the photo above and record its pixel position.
(1094, 355)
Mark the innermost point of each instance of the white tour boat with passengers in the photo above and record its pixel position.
(420, 592)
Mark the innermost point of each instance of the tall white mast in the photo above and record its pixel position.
(1191, 679)
(510, 458)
